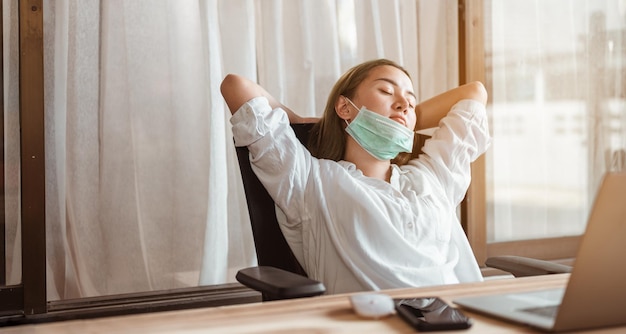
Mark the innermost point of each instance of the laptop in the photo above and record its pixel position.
(595, 295)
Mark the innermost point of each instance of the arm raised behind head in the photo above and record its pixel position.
(431, 111)
(238, 90)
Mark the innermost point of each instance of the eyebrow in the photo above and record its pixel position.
(395, 84)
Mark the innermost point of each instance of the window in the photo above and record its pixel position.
(555, 71)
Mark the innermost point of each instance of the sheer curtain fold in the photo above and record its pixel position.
(12, 216)
(234, 37)
(216, 251)
(301, 55)
(66, 148)
(437, 69)
(143, 185)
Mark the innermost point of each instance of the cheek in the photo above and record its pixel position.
(411, 120)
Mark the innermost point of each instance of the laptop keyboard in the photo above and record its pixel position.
(545, 311)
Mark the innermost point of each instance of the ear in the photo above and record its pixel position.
(342, 108)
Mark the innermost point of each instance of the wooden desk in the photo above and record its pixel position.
(327, 314)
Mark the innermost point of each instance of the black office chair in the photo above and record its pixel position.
(280, 276)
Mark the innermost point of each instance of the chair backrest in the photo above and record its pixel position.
(270, 244)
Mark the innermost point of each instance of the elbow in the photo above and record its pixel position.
(477, 91)
(229, 84)
(231, 87)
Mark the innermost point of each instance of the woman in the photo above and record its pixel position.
(355, 220)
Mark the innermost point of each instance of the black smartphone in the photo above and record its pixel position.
(431, 314)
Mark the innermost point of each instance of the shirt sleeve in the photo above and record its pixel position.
(462, 136)
(277, 157)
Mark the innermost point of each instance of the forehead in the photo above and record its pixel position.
(390, 75)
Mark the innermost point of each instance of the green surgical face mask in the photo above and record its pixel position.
(380, 136)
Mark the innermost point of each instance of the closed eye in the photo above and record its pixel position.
(410, 99)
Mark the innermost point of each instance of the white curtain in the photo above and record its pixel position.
(143, 188)
(11, 77)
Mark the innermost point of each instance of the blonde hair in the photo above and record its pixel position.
(327, 138)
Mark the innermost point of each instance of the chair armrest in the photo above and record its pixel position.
(275, 283)
(520, 266)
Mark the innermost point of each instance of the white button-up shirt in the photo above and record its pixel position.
(357, 233)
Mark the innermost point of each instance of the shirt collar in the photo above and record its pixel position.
(394, 180)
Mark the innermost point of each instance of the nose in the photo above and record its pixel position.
(402, 104)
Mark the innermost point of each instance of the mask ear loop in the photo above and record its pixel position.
(352, 103)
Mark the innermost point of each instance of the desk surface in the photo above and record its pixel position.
(326, 314)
